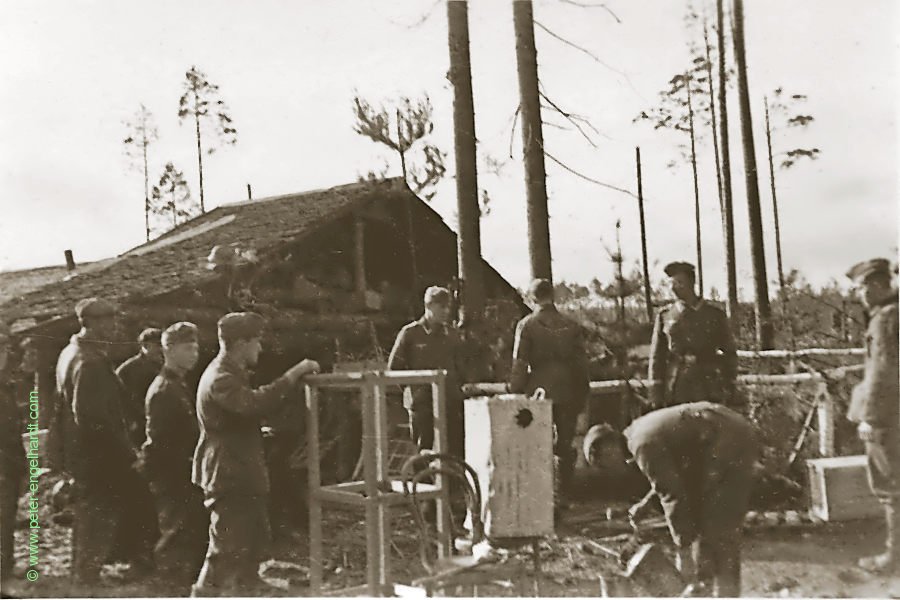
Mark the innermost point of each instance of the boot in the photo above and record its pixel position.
(888, 562)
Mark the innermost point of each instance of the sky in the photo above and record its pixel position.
(74, 70)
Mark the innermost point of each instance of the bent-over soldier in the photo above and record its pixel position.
(229, 462)
(692, 353)
(136, 375)
(167, 453)
(875, 403)
(12, 463)
(549, 353)
(699, 458)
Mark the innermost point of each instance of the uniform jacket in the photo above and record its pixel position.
(420, 347)
(876, 399)
(692, 355)
(96, 446)
(548, 352)
(229, 457)
(172, 430)
(12, 453)
(136, 374)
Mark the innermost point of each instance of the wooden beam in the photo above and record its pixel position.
(359, 253)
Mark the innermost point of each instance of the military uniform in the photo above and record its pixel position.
(12, 470)
(699, 459)
(692, 355)
(97, 452)
(420, 346)
(136, 374)
(549, 353)
(171, 438)
(229, 466)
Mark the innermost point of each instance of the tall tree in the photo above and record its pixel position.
(532, 141)
(201, 101)
(764, 328)
(469, 238)
(172, 197)
(141, 133)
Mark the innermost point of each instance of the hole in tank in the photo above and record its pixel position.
(524, 418)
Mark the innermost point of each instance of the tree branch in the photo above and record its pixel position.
(577, 47)
(586, 5)
(585, 177)
(568, 118)
(512, 132)
(421, 20)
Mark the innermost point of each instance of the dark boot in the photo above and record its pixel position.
(888, 562)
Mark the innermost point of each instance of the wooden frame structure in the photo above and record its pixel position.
(375, 492)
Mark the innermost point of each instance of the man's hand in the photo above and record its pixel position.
(867, 433)
(302, 369)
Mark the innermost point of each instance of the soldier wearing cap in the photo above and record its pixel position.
(12, 463)
(167, 453)
(549, 353)
(875, 403)
(229, 463)
(692, 353)
(97, 450)
(699, 458)
(136, 374)
(430, 343)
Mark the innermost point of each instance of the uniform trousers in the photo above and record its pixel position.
(9, 498)
(183, 526)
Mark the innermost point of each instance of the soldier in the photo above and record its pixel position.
(136, 374)
(97, 449)
(875, 403)
(692, 354)
(699, 458)
(172, 433)
(548, 352)
(430, 343)
(229, 462)
(12, 464)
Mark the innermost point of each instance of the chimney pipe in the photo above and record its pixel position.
(249, 193)
(70, 261)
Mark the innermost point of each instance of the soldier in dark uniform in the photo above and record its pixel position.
(136, 374)
(229, 462)
(875, 404)
(168, 451)
(97, 449)
(692, 353)
(699, 458)
(549, 353)
(430, 343)
(12, 464)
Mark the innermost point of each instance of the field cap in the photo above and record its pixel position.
(182, 332)
(241, 326)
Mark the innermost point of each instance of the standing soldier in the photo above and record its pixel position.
(549, 353)
(699, 458)
(692, 354)
(875, 404)
(430, 343)
(12, 464)
(97, 449)
(172, 433)
(229, 462)
(136, 374)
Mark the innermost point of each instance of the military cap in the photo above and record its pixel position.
(437, 295)
(862, 271)
(94, 308)
(182, 332)
(241, 326)
(540, 289)
(678, 266)
(151, 335)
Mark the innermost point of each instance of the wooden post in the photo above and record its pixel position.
(732, 306)
(370, 479)
(687, 84)
(764, 329)
(438, 407)
(469, 235)
(382, 454)
(532, 142)
(315, 481)
(826, 420)
(647, 299)
(359, 253)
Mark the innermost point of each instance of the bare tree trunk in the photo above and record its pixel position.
(620, 281)
(146, 186)
(199, 150)
(532, 142)
(647, 299)
(732, 306)
(774, 198)
(764, 329)
(712, 113)
(687, 82)
(469, 237)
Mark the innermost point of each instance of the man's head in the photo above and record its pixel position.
(605, 448)
(30, 355)
(437, 304)
(179, 345)
(151, 347)
(4, 344)
(681, 279)
(872, 281)
(541, 292)
(97, 316)
(240, 336)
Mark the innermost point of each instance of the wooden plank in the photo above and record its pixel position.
(839, 489)
(370, 478)
(383, 517)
